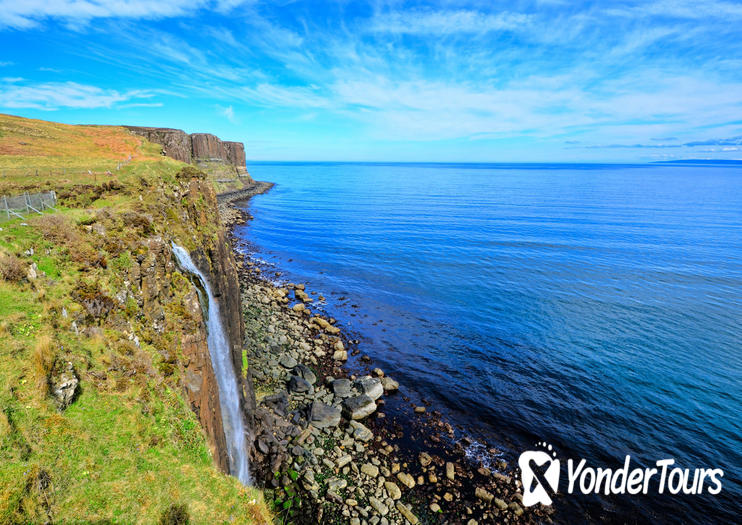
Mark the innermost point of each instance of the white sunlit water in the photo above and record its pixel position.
(221, 362)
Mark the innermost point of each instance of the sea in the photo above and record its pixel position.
(593, 307)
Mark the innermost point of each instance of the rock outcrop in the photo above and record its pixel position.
(195, 147)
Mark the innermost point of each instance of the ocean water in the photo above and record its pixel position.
(595, 307)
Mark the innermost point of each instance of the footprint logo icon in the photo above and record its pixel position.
(539, 475)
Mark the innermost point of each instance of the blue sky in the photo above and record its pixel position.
(545, 80)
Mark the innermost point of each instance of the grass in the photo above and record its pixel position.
(129, 449)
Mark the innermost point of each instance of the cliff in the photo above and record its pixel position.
(195, 147)
(109, 405)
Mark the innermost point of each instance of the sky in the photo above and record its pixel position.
(456, 81)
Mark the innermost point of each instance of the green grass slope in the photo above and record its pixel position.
(128, 449)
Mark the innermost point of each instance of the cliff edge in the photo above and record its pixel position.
(196, 147)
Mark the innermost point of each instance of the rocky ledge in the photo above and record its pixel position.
(325, 450)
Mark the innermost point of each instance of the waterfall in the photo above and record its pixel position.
(221, 362)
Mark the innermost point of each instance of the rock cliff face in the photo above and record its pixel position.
(151, 281)
(192, 148)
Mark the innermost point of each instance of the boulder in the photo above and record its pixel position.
(371, 386)
(361, 432)
(300, 385)
(323, 416)
(64, 384)
(279, 403)
(358, 407)
(341, 388)
(305, 372)
(287, 361)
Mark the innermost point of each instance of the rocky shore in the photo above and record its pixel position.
(325, 449)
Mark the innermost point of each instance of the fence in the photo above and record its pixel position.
(14, 207)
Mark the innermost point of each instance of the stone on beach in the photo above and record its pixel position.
(287, 361)
(450, 472)
(361, 432)
(322, 415)
(324, 325)
(371, 386)
(341, 387)
(305, 372)
(378, 506)
(406, 479)
(393, 490)
(389, 384)
(425, 459)
(407, 513)
(358, 407)
(482, 494)
(302, 296)
(300, 385)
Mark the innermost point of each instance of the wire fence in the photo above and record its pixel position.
(13, 207)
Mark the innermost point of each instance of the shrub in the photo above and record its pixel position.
(12, 268)
(175, 514)
(189, 172)
(97, 304)
(57, 229)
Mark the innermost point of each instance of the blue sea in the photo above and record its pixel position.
(594, 307)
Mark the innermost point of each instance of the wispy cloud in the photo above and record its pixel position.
(612, 76)
(55, 95)
(444, 22)
(30, 13)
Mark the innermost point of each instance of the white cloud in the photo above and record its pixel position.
(685, 9)
(228, 113)
(54, 95)
(24, 14)
(427, 22)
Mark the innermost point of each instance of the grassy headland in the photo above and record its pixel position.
(128, 449)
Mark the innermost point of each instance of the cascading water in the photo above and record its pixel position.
(221, 361)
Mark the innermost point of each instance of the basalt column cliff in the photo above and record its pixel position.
(196, 148)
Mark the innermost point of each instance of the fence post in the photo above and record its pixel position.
(7, 208)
